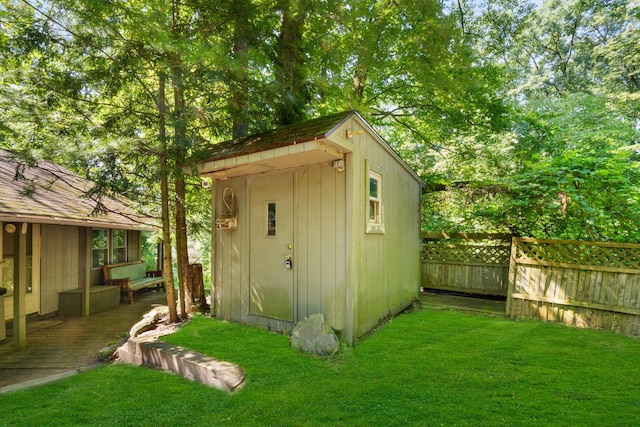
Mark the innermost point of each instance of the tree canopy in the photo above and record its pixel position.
(519, 117)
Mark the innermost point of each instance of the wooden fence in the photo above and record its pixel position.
(584, 284)
(466, 262)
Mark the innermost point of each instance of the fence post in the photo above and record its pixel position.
(512, 275)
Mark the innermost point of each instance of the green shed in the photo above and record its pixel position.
(317, 217)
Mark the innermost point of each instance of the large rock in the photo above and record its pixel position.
(313, 335)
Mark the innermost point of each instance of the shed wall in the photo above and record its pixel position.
(231, 256)
(385, 266)
(321, 243)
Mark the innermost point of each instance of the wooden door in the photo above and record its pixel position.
(271, 270)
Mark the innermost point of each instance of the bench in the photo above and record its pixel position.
(132, 276)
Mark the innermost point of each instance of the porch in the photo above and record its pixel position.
(60, 344)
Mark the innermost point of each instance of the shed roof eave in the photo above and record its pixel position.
(314, 151)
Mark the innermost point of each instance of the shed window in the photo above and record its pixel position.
(374, 210)
(374, 197)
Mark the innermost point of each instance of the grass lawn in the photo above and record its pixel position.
(428, 367)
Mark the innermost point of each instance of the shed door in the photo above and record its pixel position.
(271, 236)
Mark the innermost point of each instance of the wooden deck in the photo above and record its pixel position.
(61, 344)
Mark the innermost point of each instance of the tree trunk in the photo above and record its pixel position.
(181, 241)
(195, 297)
(289, 68)
(239, 74)
(358, 85)
(180, 134)
(164, 193)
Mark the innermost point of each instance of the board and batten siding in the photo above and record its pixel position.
(385, 276)
(321, 243)
(60, 263)
(231, 256)
(319, 251)
(66, 258)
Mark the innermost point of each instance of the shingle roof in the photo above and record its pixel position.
(280, 137)
(48, 193)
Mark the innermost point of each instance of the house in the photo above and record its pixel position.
(317, 217)
(50, 228)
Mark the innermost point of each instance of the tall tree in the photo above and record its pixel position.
(290, 72)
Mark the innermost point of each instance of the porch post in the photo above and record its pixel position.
(20, 287)
(3, 324)
(85, 254)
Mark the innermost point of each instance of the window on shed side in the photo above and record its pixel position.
(374, 212)
(374, 197)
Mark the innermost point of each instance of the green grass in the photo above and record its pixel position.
(428, 367)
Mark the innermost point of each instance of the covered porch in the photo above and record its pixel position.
(59, 345)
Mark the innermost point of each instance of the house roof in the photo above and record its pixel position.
(287, 135)
(50, 194)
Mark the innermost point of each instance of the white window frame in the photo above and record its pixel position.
(375, 223)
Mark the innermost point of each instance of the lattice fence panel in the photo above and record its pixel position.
(580, 253)
(480, 254)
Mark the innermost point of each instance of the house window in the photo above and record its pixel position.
(374, 209)
(119, 246)
(99, 248)
(108, 247)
